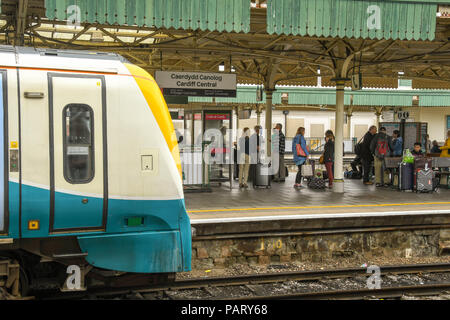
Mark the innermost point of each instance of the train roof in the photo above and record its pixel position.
(45, 58)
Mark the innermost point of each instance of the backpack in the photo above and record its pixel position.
(381, 148)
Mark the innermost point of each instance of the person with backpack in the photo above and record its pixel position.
(300, 153)
(380, 147)
(366, 154)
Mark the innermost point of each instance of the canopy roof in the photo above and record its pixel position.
(327, 96)
(244, 36)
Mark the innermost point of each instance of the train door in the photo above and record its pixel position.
(78, 163)
(3, 156)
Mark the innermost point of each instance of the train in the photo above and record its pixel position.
(90, 170)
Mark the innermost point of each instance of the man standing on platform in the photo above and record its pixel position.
(280, 175)
(366, 154)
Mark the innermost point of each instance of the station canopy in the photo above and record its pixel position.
(282, 42)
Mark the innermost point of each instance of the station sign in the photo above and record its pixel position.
(217, 116)
(196, 84)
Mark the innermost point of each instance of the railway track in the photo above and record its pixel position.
(259, 279)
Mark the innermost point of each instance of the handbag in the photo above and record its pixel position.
(300, 151)
(307, 170)
(321, 160)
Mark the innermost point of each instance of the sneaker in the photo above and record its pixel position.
(378, 185)
(368, 183)
(297, 185)
(241, 185)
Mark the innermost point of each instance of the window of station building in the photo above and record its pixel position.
(78, 144)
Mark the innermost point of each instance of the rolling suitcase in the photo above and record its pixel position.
(425, 180)
(260, 180)
(405, 179)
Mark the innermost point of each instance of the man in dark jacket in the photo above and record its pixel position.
(280, 175)
(381, 147)
(366, 154)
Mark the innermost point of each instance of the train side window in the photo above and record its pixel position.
(78, 127)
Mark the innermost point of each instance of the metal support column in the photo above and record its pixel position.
(268, 119)
(338, 184)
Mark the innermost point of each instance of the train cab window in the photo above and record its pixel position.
(78, 125)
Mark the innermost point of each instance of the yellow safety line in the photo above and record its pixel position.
(319, 207)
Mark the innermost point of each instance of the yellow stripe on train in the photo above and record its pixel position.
(157, 104)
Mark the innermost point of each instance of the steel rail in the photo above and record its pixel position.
(199, 283)
(388, 292)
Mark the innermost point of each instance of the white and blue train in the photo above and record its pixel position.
(90, 172)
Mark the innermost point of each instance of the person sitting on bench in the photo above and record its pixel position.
(417, 150)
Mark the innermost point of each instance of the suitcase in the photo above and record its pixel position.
(260, 180)
(406, 176)
(424, 180)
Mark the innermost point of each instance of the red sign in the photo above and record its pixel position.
(198, 116)
(217, 116)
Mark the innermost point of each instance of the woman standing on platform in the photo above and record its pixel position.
(328, 156)
(446, 146)
(300, 153)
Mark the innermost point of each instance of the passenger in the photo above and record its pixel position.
(244, 163)
(417, 150)
(446, 146)
(366, 155)
(427, 144)
(435, 148)
(328, 156)
(397, 144)
(357, 166)
(280, 175)
(381, 147)
(300, 153)
(256, 141)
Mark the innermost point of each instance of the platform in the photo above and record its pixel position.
(283, 202)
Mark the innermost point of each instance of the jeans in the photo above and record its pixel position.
(329, 166)
(298, 177)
